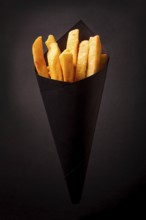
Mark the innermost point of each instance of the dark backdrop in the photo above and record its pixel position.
(31, 179)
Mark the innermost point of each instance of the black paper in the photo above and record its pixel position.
(72, 110)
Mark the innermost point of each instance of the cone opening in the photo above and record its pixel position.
(84, 34)
(65, 84)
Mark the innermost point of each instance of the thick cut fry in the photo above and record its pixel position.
(51, 39)
(38, 57)
(66, 61)
(82, 60)
(94, 55)
(48, 71)
(72, 43)
(53, 61)
(103, 61)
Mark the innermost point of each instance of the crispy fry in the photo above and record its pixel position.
(38, 57)
(48, 71)
(66, 61)
(103, 61)
(72, 43)
(82, 59)
(51, 39)
(78, 61)
(53, 61)
(94, 55)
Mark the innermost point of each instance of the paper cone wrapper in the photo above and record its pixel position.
(72, 110)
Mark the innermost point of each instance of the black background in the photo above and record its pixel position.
(31, 179)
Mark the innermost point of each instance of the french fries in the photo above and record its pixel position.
(72, 44)
(55, 70)
(82, 60)
(66, 61)
(78, 60)
(103, 61)
(94, 55)
(38, 57)
(51, 39)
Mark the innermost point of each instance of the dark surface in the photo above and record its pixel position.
(31, 179)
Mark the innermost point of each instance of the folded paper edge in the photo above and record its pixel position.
(61, 84)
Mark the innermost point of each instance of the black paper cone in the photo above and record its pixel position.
(72, 110)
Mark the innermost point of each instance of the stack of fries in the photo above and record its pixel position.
(78, 61)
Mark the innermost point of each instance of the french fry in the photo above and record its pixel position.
(82, 60)
(94, 55)
(51, 39)
(66, 61)
(38, 57)
(78, 61)
(72, 43)
(103, 61)
(48, 72)
(53, 61)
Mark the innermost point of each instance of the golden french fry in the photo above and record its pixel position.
(82, 60)
(53, 61)
(94, 55)
(48, 71)
(51, 39)
(38, 57)
(103, 61)
(66, 61)
(72, 43)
